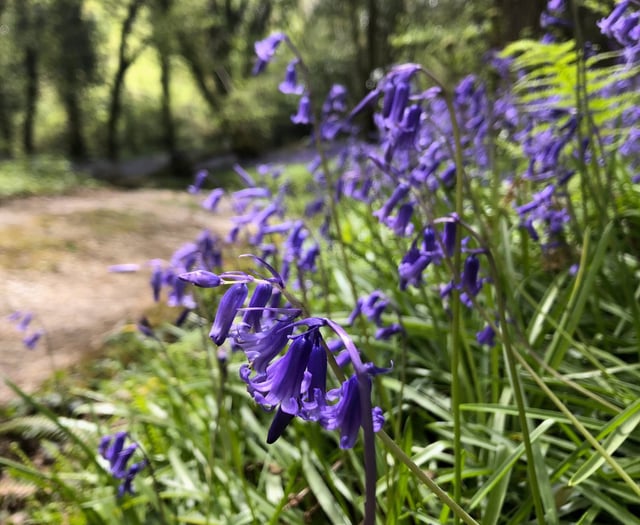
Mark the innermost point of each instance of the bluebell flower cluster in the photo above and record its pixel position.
(112, 448)
(288, 357)
(22, 322)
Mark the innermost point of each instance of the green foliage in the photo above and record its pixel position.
(40, 175)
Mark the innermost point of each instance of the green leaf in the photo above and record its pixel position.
(618, 430)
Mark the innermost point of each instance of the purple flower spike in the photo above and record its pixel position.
(227, 310)
(303, 116)
(201, 278)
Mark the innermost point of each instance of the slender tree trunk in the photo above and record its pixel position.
(516, 16)
(115, 108)
(31, 103)
(6, 127)
(168, 123)
(77, 144)
(124, 61)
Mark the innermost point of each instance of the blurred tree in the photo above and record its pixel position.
(30, 18)
(10, 85)
(163, 22)
(516, 19)
(126, 58)
(72, 64)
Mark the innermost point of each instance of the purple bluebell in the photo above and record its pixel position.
(304, 115)
(346, 414)
(290, 86)
(261, 347)
(449, 237)
(399, 193)
(232, 299)
(287, 379)
(470, 282)
(212, 201)
(112, 448)
(401, 223)
(386, 332)
(259, 299)
(265, 49)
(201, 278)
(31, 340)
(486, 336)
(24, 322)
(124, 268)
(411, 267)
(199, 179)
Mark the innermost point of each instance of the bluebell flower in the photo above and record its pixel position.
(346, 414)
(304, 115)
(287, 379)
(212, 201)
(290, 84)
(265, 49)
(411, 267)
(31, 340)
(201, 278)
(486, 336)
(112, 448)
(262, 347)
(230, 302)
(200, 177)
(259, 299)
(24, 322)
(386, 332)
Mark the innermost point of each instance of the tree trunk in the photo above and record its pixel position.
(168, 124)
(31, 102)
(515, 17)
(124, 61)
(6, 127)
(77, 144)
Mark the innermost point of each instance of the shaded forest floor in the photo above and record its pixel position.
(54, 259)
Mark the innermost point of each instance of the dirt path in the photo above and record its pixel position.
(54, 259)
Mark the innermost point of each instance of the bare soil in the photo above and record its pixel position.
(54, 258)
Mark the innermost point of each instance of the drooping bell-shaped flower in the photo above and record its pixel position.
(346, 414)
(304, 115)
(201, 278)
(233, 299)
(290, 86)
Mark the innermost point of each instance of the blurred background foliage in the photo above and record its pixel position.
(116, 79)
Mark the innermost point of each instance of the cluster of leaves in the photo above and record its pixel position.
(485, 244)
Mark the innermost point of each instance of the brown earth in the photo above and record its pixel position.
(54, 259)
